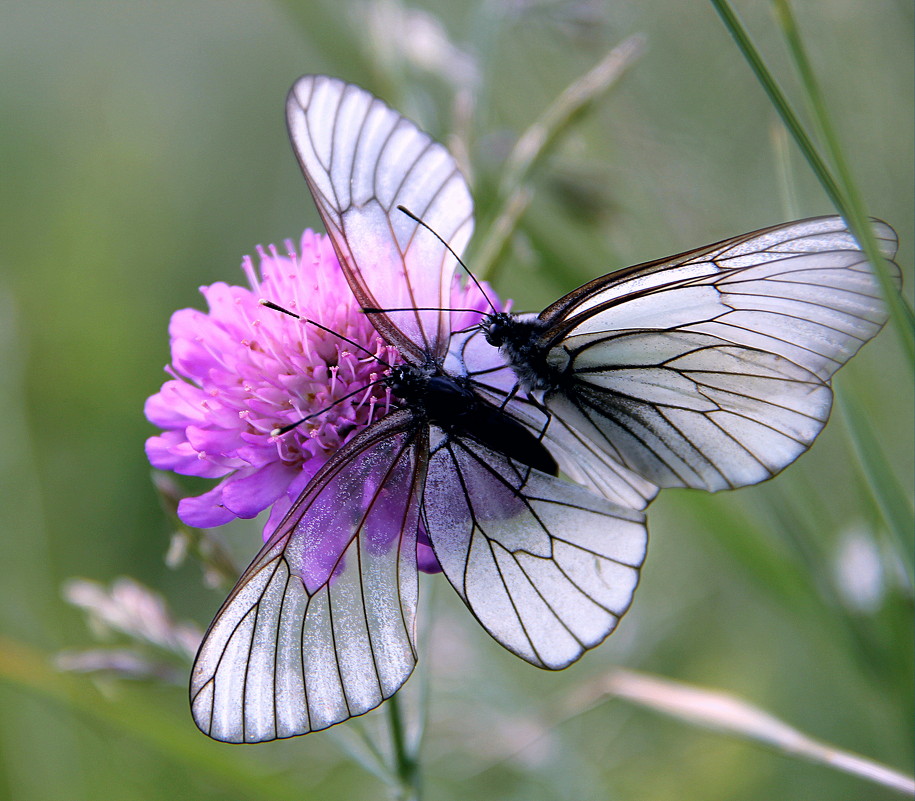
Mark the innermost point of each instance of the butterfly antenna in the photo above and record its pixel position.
(278, 432)
(271, 305)
(459, 260)
(377, 310)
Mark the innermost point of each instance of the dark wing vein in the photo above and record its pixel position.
(320, 626)
(539, 561)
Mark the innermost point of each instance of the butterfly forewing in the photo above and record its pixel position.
(711, 369)
(802, 290)
(362, 160)
(321, 626)
(547, 567)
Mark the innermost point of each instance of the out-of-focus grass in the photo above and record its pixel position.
(144, 152)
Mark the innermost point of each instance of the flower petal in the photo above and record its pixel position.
(248, 496)
(171, 451)
(205, 511)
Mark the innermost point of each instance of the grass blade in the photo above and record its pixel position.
(726, 713)
(842, 192)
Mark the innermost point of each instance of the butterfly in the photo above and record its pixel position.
(321, 626)
(709, 369)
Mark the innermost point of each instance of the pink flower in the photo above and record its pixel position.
(241, 370)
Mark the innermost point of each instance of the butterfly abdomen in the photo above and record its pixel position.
(452, 405)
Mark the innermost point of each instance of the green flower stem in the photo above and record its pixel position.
(852, 205)
(773, 90)
(843, 193)
(406, 766)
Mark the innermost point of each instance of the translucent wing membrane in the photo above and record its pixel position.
(579, 456)
(362, 160)
(321, 626)
(547, 567)
(711, 369)
(802, 290)
(686, 409)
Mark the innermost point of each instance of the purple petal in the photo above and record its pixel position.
(205, 511)
(171, 451)
(176, 405)
(217, 444)
(249, 495)
(192, 358)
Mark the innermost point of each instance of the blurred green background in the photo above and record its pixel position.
(143, 152)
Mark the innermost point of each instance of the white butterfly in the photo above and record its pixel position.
(321, 626)
(711, 368)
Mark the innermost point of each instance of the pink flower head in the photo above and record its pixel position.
(241, 370)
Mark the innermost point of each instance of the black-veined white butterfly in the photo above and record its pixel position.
(708, 369)
(320, 627)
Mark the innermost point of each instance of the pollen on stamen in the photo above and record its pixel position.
(346, 357)
(366, 395)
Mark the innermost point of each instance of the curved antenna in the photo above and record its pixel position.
(278, 432)
(271, 305)
(459, 260)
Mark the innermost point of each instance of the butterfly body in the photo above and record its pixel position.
(451, 404)
(519, 339)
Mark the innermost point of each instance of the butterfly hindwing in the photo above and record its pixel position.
(547, 567)
(685, 409)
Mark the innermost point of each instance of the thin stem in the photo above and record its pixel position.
(406, 764)
(731, 715)
(842, 193)
(777, 96)
(538, 140)
(852, 205)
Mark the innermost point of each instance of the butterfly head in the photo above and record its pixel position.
(519, 338)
